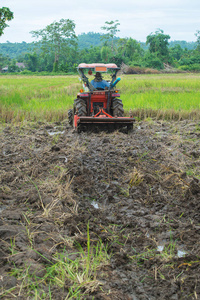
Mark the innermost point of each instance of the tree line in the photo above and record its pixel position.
(58, 49)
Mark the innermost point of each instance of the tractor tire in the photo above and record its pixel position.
(117, 108)
(80, 107)
(70, 117)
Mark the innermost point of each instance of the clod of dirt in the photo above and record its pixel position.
(55, 148)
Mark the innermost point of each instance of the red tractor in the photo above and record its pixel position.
(97, 107)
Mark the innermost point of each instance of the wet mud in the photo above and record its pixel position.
(139, 194)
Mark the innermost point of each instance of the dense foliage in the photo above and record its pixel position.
(58, 49)
(5, 15)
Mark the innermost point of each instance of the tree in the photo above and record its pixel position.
(32, 61)
(105, 53)
(58, 38)
(5, 15)
(197, 34)
(176, 52)
(158, 44)
(111, 29)
(4, 60)
(12, 67)
(122, 46)
(133, 49)
(151, 60)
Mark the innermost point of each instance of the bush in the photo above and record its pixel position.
(155, 63)
(26, 72)
(137, 70)
(193, 67)
(151, 60)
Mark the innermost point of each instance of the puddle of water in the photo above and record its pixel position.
(181, 253)
(160, 248)
(64, 158)
(55, 132)
(95, 204)
(161, 134)
(2, 208)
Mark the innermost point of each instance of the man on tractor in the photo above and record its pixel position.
(98, 82)
(94, 108)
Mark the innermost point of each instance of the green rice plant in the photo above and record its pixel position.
(47, 98)
(165, 254)
(12, 247)
(36, 98)
(39, 195)
(139, 258)
(115, 234)
(73, 272)
(156, 100)
(81, 273)
(29, 233)
(162, 95)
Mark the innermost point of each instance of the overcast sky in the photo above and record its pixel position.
(138, 18)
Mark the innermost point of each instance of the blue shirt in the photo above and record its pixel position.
(100, 84)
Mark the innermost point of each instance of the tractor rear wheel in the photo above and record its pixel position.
(117, 107)
(80, 107)
(70, 117)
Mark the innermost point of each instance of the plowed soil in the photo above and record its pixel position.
(139, 193)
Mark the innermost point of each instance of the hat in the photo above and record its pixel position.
(98, 76)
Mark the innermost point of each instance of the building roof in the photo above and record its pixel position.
(20, 65)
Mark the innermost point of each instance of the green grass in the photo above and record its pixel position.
(172, 96)
(72, 274)
(36, 98)
(48, 98)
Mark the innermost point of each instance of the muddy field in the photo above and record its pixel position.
(136, 195)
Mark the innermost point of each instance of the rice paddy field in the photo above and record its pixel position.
(47, 98)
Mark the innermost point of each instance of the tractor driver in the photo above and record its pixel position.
(98, 82)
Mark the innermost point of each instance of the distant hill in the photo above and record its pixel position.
(14, 50)
(85, 40)
(183, 44)
(90, 39)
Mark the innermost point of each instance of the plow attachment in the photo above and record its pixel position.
(102, 121)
